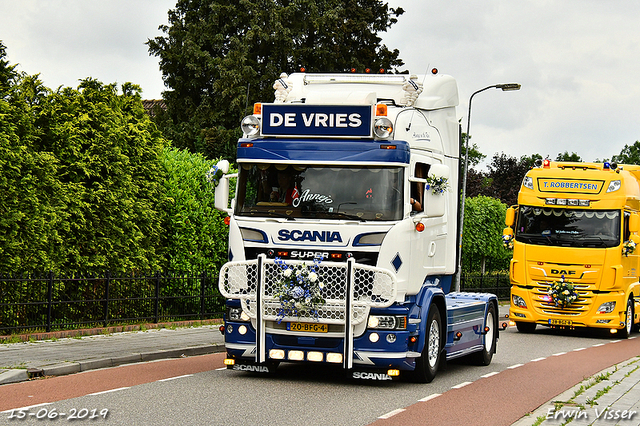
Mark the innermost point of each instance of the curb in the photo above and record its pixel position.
(21, 375)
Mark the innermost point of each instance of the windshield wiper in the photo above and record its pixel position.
(267, 213)
(340, 215)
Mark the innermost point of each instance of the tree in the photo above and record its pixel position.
(573, 157)
(482, 235)
(218, 57)
(475, 156)
(630, 154)
(506, 174)
(80, 188)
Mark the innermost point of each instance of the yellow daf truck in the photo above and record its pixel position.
(575, 247)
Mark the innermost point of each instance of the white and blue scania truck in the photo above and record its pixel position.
(343, 230)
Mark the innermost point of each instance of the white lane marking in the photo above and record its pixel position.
(391, 413)
(579, 349)
(221, 368)
(430, 397)
(109, 391)
(461, 385)
(538, 359)
(177, 377)
(514, 366)
(599, 344)
(490, 374)
(559, 353)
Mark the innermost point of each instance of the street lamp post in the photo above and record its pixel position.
(504, 87)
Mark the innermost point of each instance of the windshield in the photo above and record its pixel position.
(568, 227)
(289, 191)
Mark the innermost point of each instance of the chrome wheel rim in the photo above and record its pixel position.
(434, 343)
(488, 337)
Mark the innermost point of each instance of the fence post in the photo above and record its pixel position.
(155, 309)
(203, 283)
(49, 300)
(106, 299)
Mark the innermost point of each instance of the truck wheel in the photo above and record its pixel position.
(526, 327)
(490, 339)
(427, 363)
(628, 320)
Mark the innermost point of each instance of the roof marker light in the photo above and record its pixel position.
(257, 108)
(546, 163)
(381, 110)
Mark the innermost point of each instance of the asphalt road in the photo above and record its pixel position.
(197, 390)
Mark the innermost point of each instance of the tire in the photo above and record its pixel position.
(628, 320)
(526, 327)
(485, 356)
(428, 362)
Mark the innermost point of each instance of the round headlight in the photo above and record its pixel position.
(250, 125)
(383, 128)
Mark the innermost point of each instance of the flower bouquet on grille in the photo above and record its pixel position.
(562, 293)
(299, 290)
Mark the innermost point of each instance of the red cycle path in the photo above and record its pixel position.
(53, 389)
(502, 399)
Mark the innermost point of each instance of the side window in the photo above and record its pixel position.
(417, 188)
(626, 234)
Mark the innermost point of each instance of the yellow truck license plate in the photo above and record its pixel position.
(307, 327)
(560, 322)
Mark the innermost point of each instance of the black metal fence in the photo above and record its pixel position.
(493, 282)
(55, 303)
(46, 303)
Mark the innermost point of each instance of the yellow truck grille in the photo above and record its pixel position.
(543, 303)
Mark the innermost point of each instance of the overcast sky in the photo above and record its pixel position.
(578, 61)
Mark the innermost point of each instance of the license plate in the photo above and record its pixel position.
(307, 327)
(560, 322)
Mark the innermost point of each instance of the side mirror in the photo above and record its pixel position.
(223, 165)
(435, 203)
(633, 222)
(511, 217)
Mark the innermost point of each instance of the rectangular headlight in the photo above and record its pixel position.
(387, 322)
(237, 314)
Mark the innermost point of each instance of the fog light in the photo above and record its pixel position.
(613, 331)
(383, 128)
(391, 338)
(315, 356)
(334, 358)
(250, 125)
(229, 329)
(373, 337)
(242, 329)
(276, 354)
(296, 355)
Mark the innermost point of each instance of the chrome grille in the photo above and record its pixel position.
(580, 307)
(371, 287)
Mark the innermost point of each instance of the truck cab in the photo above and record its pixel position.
(343, 229)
